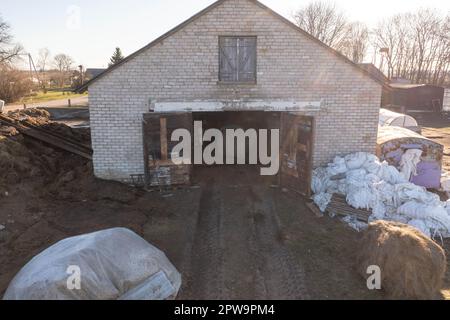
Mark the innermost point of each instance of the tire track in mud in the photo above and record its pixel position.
(283, 275)
(237, 252)
(206, 257)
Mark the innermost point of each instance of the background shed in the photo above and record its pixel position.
(446, 106)
(394, 141)
(414, 97)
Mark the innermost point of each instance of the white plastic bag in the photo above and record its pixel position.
(337, 167)
(322, 200)
(369, 184)
(108, 265)
(408, 164)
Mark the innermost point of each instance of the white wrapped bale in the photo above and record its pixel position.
(112, 264)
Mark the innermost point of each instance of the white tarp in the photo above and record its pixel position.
(368, 183)
(390, 118)
(107, 265)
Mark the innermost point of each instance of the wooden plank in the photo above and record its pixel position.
(296, 156)
(163, 136)
(49, 138)
(314, 209)
(339, 206)
(161, 171)
(146, 155)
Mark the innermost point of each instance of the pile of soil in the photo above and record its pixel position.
(27, 161)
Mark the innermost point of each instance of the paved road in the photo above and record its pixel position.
(81, 101)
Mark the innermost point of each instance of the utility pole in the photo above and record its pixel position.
(32, 67)
(384, 54)
(81, 74)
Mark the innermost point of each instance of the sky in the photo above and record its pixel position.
(89, 30)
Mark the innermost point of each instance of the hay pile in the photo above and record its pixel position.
(412, 265)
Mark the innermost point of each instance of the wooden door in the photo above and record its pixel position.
(157, 129)
(297, 142)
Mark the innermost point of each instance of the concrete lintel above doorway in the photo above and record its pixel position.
(238, 105)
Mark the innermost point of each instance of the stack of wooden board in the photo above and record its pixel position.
(339, 206)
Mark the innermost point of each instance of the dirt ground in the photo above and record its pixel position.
(437, 128)
(233, 234)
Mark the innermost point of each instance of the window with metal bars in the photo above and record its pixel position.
(237, 59)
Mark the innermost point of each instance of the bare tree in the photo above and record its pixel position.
(355, 45)
(8, 50)
(415, 46)
(44, 57)
(14, 84)
(63, 63)
(324, 21)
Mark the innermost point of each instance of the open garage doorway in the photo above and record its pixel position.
(240, 167)
(292, 149)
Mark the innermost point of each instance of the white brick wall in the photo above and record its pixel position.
(185, 67)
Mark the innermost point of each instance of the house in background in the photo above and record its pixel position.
(239, 64)
(446, 104)
(409, 98)
(401, 95)
(93, 72)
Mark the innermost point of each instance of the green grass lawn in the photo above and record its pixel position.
(51, 95)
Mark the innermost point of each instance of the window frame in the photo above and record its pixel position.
(238, 82)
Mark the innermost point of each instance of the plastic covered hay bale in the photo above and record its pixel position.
(412, 265)
(106, 265)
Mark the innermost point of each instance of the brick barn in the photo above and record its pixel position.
(238, 64)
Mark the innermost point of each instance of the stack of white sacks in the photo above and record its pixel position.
(368, 183)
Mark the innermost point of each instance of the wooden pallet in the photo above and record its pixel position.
(339, 206)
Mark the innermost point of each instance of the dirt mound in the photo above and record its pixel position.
(15, 160)
(23, 159)
(412, 265)
(8, 131)
(79, 184)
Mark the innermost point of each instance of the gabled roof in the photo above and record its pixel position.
(93, 72)
(407, 86)
(374, 71)
(210, 8)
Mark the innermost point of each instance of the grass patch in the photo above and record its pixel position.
(51, 95)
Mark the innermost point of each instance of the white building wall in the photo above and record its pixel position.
(184, 67)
